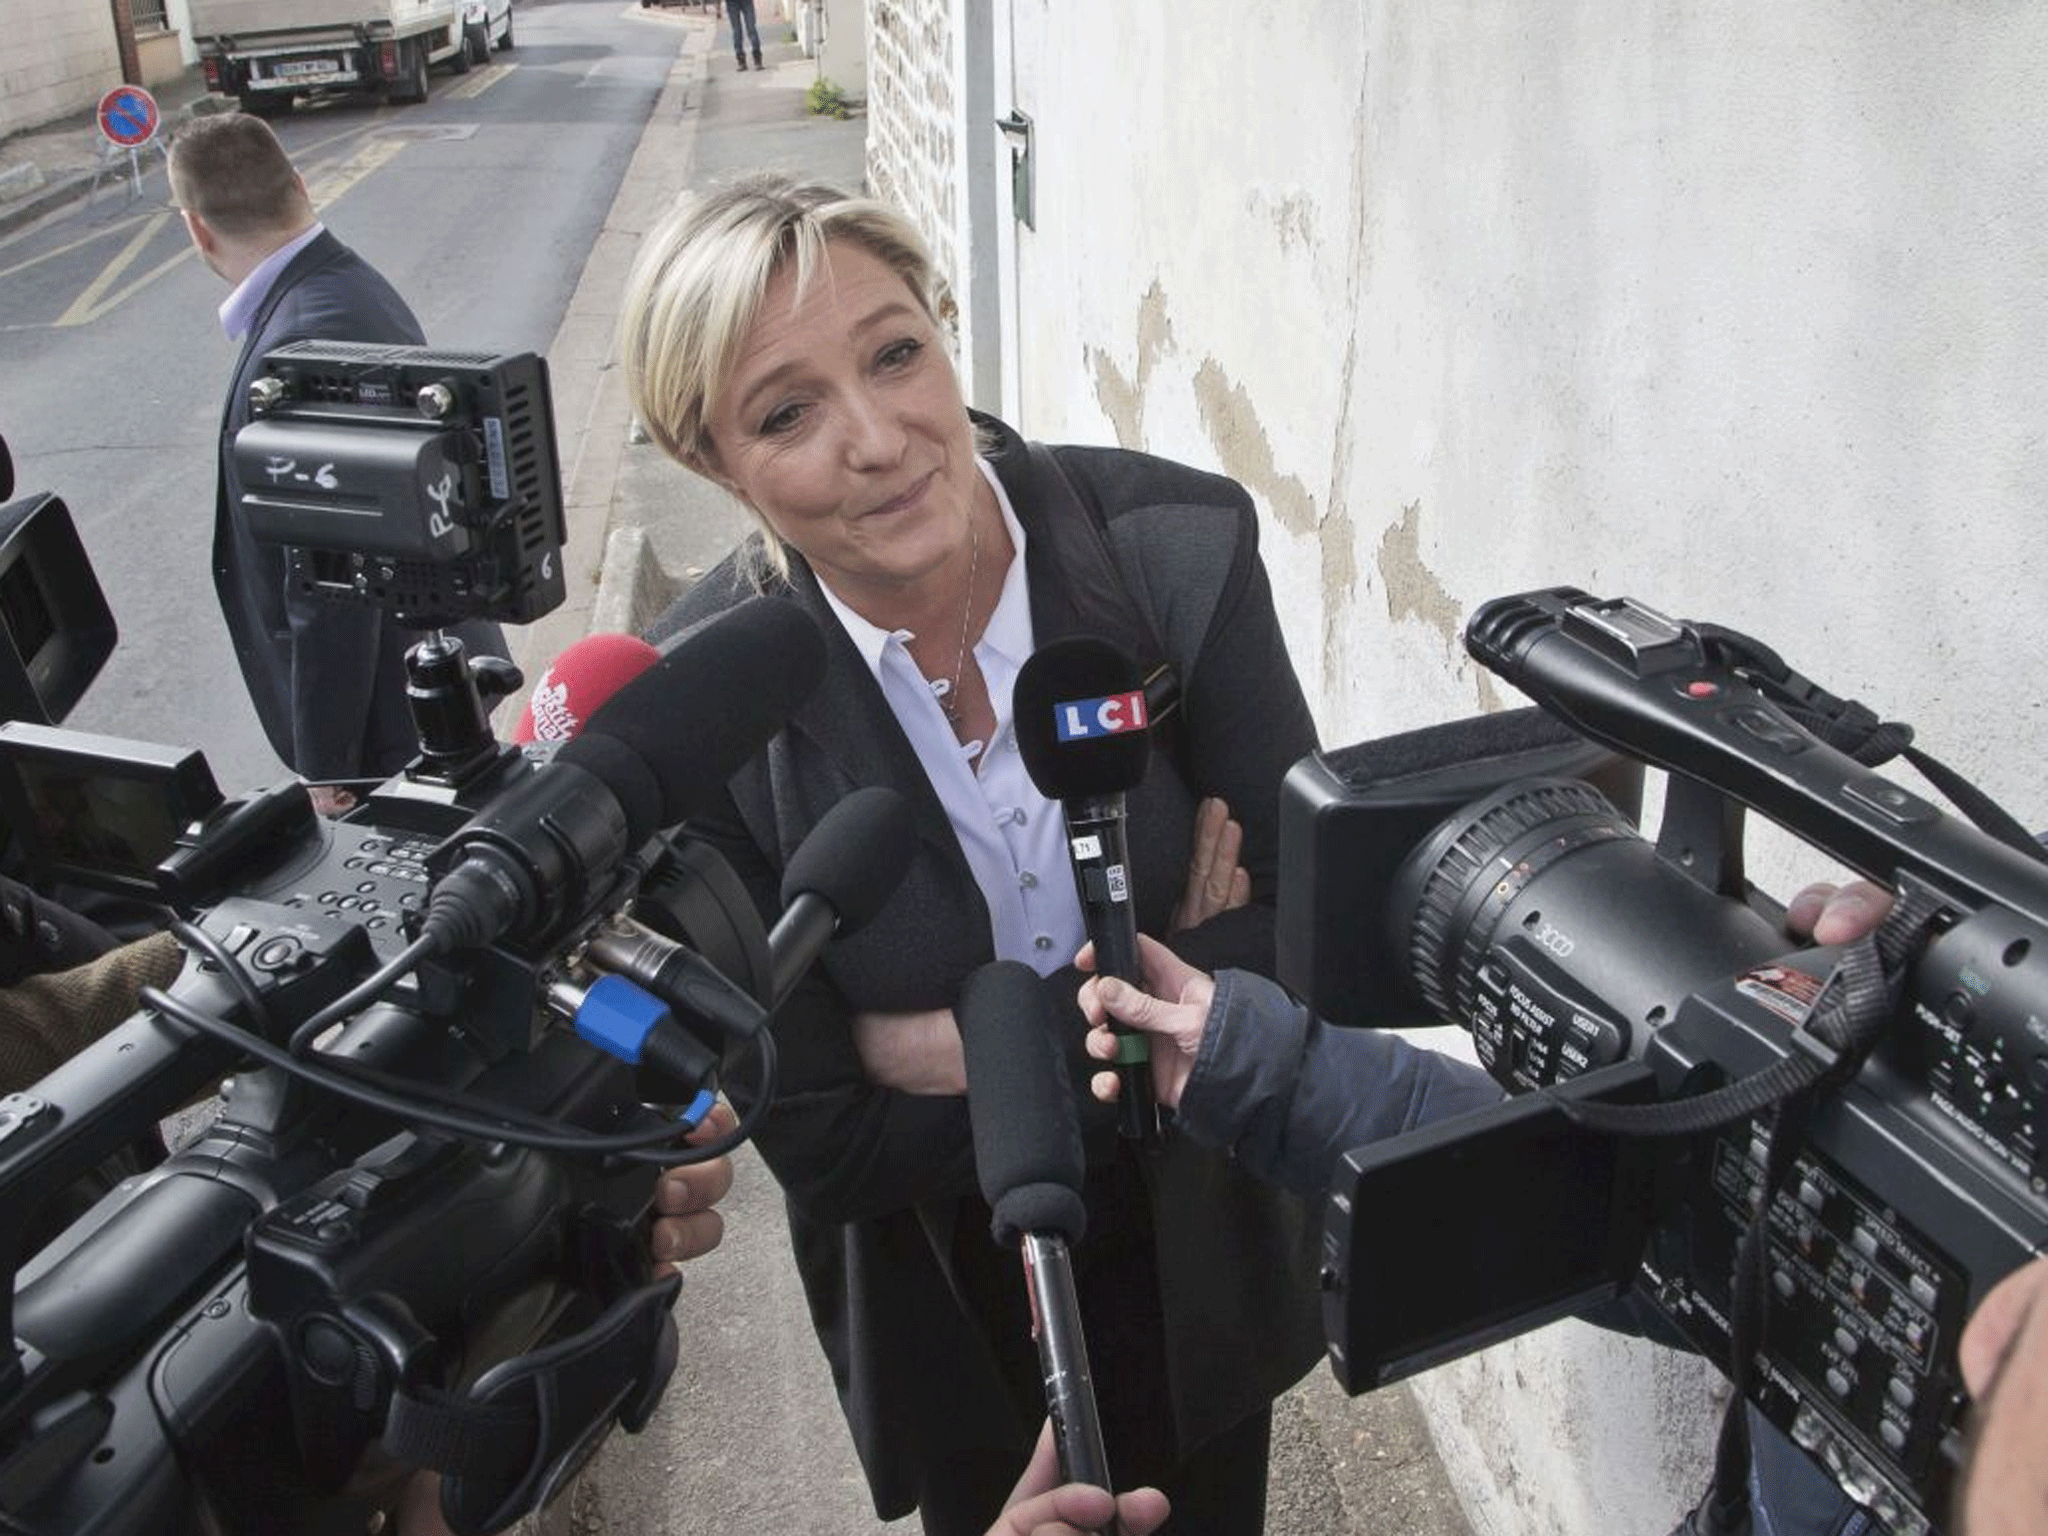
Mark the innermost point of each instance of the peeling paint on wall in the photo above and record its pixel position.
(1413, 591)
(1246, 453)
(1243, 450)
(1122, 398)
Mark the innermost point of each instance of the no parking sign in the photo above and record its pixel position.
(128, 116)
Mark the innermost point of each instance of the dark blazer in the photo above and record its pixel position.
(1207, 1307)
(327, 678)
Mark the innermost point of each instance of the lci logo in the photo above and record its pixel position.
(1085, 719)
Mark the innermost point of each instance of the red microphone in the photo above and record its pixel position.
(581, 679)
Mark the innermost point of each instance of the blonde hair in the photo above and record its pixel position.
(230, 170)
(697, 284)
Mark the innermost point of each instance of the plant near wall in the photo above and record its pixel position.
(826, 99)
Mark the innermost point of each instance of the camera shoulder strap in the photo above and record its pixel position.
(1856, 730)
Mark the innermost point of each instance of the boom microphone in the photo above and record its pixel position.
(1079, 706)
(579, 682)
(1027, 1155)
(660, 749)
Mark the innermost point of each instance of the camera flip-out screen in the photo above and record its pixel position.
(98, 811)
(1481, 1227)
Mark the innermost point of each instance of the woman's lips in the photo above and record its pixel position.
(899, 503)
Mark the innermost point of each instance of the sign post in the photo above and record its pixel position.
(129, 119)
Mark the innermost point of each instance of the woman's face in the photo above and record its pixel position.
(843, 428)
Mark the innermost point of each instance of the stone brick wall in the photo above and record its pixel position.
(913, 127)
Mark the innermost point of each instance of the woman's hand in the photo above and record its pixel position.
(1174, 1010)
(1215, 881)
(912, 1052)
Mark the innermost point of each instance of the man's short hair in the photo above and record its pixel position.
(231, 171)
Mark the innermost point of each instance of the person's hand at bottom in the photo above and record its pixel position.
(1041, 1505)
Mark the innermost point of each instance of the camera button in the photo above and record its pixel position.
(275, 954)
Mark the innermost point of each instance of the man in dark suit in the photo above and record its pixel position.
(327, 678)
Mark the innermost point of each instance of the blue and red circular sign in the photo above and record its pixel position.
(128, 116)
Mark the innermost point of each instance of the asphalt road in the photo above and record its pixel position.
(480, 205)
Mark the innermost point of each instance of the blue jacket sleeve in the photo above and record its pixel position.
(1289, 1095)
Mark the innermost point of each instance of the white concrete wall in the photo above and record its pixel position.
(1736, 307)
(59, 57)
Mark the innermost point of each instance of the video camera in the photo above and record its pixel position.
(1814, 1162)
(454, 1025)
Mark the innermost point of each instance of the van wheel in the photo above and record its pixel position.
(506, 41)
(413, 87)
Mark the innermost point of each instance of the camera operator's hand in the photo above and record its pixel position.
(331, 800)
(1042, 1506)
(1174, 1011)
(685, 1225)
(2004, 1358)
(1837, 914)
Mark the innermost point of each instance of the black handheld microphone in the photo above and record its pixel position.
(1027, 1154)
(838, 878)
(1079, 707)
(659, 749)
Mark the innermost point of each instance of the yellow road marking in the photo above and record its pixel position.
(66, 250)
(480, 82)
(87, 306)
(327, 185)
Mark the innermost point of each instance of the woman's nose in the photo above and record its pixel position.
(875, 435)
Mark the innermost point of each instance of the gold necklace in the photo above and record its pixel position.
(948, 689)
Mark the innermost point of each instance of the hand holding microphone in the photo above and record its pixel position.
(1079, 708)
(1041, 1505)
(1170, 1004)
(1027, 1155)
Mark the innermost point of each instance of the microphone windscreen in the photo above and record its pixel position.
(715, 698)
(1079, 712)
(1027, 1133)
(855, 856)
(578, 682)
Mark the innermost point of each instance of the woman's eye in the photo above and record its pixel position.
(781, 419)
(900, 354)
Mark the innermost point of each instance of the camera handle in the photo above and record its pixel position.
(514, 1439)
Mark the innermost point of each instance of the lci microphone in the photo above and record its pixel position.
(1027, 1155)
(1079, 707)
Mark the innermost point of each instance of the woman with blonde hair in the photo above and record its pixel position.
(785, 341)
